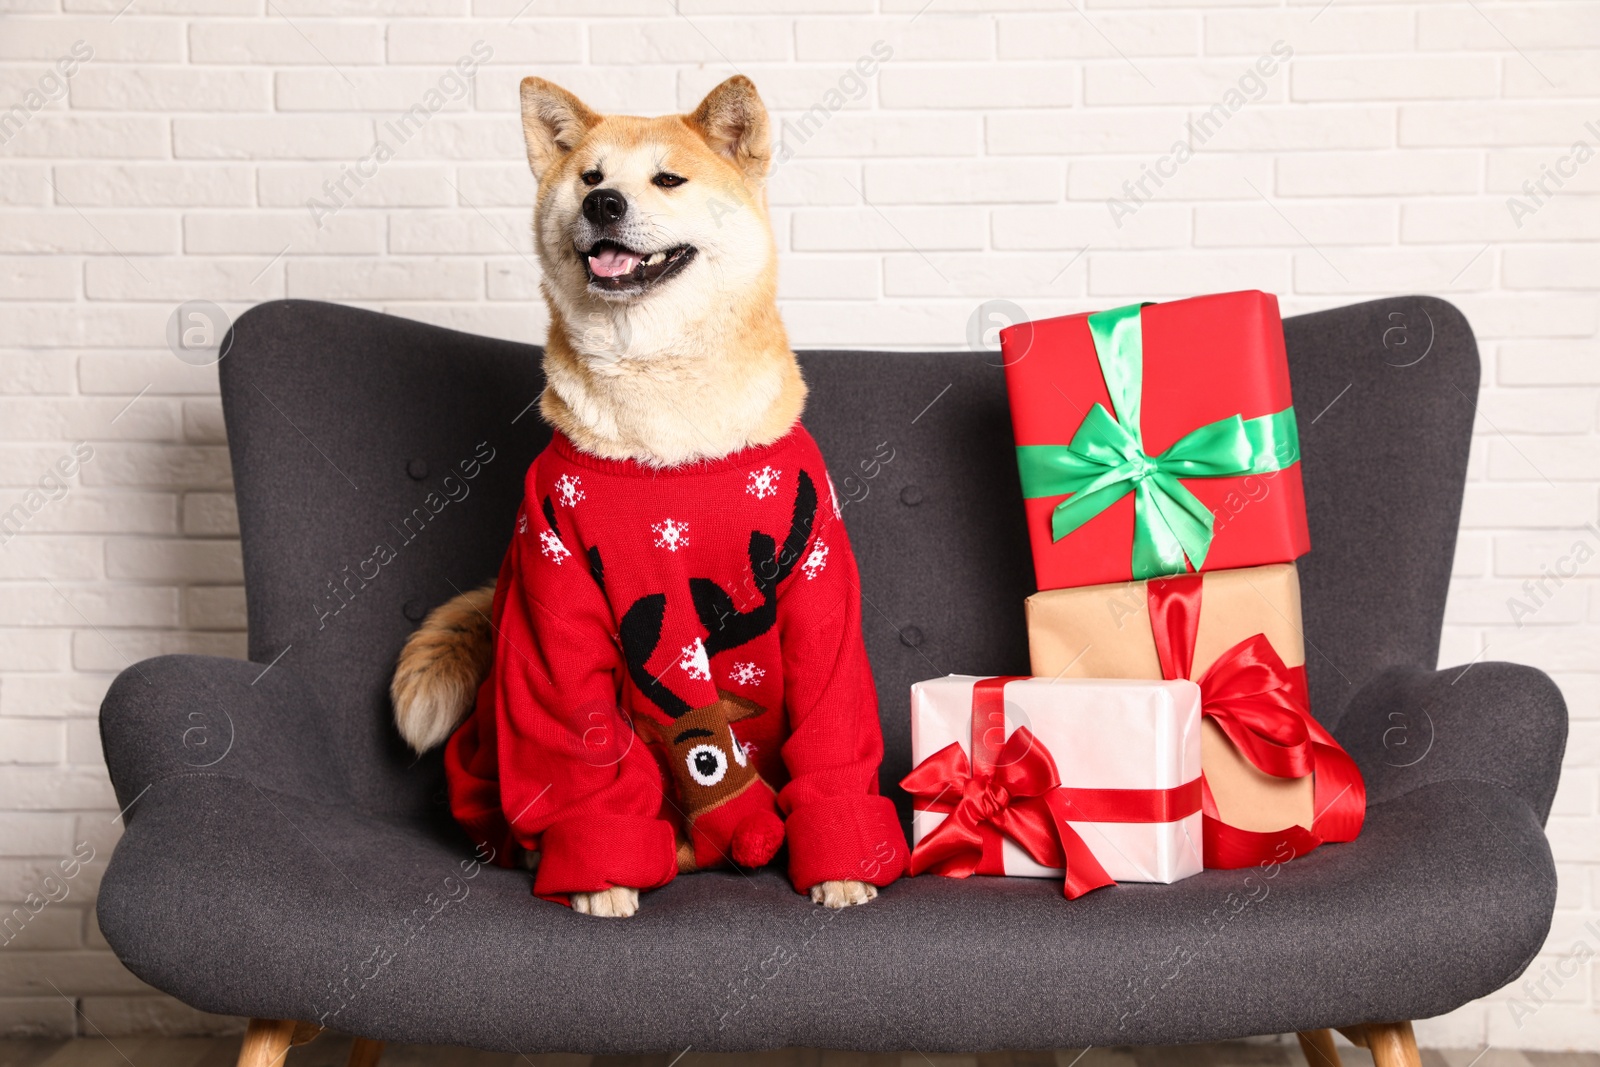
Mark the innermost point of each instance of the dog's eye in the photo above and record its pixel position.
(668, 181)
(592, 177)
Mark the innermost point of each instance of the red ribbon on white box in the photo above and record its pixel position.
(1010, 788)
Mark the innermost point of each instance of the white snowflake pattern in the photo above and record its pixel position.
(693, 661)
(763, 483)
(817, 560)
(522, 522)
(671, 534)
(745, 674)
(569, 489)
(552, 548)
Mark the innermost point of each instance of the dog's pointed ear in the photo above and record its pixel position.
(553, 122)
(733, 121)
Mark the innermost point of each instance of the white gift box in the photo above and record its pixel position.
(1102, 734)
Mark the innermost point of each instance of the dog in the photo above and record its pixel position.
(666, 353)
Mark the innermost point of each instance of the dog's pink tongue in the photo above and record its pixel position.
(613, 263)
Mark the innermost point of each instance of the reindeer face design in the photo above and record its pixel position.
(708, 762)
(730, 811)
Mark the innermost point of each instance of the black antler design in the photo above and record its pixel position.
(727, 626)
(640, 633)
(596, 569)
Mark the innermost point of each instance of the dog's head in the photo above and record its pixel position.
(666, 214)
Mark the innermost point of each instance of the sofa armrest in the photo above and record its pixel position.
(1500, 723)
(204, 715)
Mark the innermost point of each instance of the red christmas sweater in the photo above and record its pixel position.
(665, 638)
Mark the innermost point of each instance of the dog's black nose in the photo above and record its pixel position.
(604, 206)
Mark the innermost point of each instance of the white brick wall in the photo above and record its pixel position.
(975, 164)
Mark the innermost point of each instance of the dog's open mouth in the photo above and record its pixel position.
(616, 269)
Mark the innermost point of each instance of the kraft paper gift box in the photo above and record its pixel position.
(1277, 783)
(1087, 780)
(1154, 440)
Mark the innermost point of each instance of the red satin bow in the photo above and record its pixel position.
(1249, 693)
(1019, 798)
(1262, 707)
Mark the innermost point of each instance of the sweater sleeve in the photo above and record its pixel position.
(838, 826)
(576, 781)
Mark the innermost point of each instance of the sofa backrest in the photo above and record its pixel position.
(378, 465)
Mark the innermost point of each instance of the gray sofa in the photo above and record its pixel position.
(287, 858)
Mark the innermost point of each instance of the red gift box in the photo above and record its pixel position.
(1156, 440)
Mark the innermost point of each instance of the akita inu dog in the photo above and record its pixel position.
(670, 384)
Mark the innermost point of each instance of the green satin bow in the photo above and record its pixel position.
(1106, 459)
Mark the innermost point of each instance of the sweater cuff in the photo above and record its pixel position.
(597, 852)
(845, 838)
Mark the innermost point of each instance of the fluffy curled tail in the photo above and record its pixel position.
(441, 667)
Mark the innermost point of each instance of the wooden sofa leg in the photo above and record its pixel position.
(1318, 1048)
(365, 1052)
(1392, 1044)
(266, 1042)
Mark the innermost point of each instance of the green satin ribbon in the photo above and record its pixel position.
(1106, 459)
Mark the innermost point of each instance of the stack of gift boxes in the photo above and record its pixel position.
(1166, 726)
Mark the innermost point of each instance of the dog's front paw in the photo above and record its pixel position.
(842, 894)
(618, 902)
